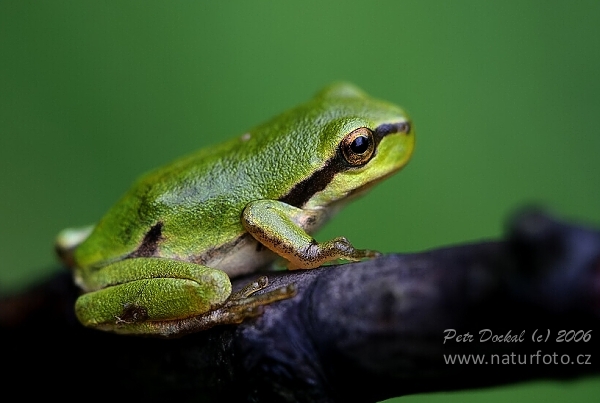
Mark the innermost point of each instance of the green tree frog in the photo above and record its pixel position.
(160, 261)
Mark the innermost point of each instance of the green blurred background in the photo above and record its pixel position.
(505, 97)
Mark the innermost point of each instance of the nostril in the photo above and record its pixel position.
(403, 127)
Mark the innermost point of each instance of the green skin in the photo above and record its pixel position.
(160, 261)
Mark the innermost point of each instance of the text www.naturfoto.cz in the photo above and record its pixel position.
(518, 359)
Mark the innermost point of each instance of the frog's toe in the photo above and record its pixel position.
(249, 289)
(245, 298)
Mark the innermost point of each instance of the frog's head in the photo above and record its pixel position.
(361, 141)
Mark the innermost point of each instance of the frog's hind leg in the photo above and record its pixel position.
(166, 297)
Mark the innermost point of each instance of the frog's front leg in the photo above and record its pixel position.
(167, 297)
(282, 228)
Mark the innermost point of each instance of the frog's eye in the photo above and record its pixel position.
(358, 146)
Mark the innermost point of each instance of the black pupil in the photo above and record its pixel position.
(360, 145)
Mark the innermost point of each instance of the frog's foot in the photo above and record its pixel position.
(244, 304)
(240, 305)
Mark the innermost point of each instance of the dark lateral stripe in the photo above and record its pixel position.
(150, 243)
(314, 183)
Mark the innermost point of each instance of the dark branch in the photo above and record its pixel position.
(358, 332)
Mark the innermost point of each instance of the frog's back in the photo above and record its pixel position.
(193, 205)
(185, 209)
